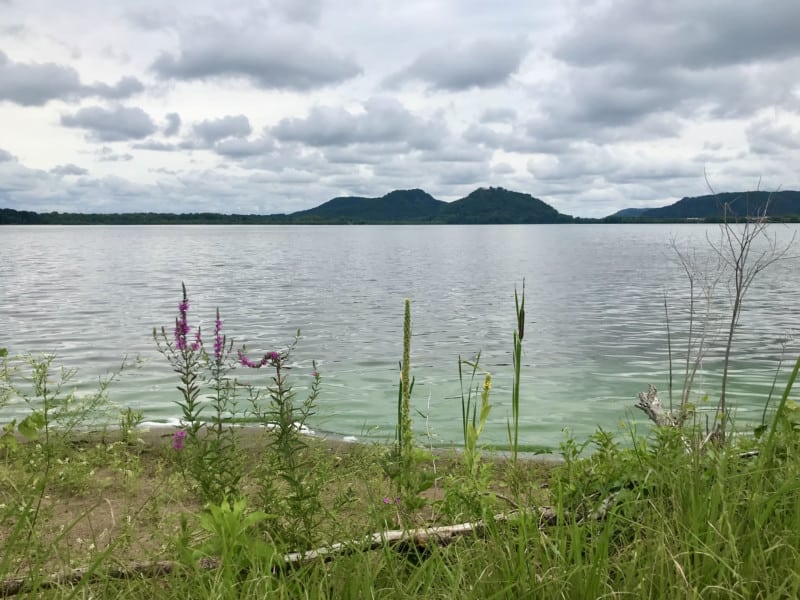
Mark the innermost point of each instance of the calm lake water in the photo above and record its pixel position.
(595, 335)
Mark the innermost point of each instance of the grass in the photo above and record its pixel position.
(640, 519)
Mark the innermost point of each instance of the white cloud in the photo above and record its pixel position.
(213, 130)
(111, 125)
(279, 58)
(483, 62)
(68, 169)
(35, 84)
(282, 104)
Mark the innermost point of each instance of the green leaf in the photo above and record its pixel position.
(7, 440)
(3, 352)
(29, 426)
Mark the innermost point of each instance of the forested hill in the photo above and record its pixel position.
(484, 205)
(496, 205)
(711, 207)
(399, 205)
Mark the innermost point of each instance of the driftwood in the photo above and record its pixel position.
(652, 407)
(17, 585)
(419, 538)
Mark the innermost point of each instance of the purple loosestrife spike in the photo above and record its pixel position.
(180, 335)
(197, 341)
(177, 439)
(219, 340)
(246, 362)
(274, 357)
(182, 323)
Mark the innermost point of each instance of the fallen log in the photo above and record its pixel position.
(419, 538)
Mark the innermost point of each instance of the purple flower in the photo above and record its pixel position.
(246, 362)
(177, 439)
(314, 374)
(270, 356)
(197, 341)
(219, 341)
(182, 327)
(387, 500)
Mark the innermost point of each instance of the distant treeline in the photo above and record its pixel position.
(483, 206)
(9, 216)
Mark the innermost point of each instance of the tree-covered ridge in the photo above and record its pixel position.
(414, 206)
(484, 205)
(399, 205)
(9, 216)
(497, 205)
(740, 204)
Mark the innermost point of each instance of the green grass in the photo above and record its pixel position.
(643, 519)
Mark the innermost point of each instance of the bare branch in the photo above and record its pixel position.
(652, 407)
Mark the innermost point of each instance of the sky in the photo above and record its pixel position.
(280, 105)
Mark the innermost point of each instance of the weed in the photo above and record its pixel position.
(205, 449)
(288, 486)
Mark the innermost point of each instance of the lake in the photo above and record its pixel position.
(595, 336)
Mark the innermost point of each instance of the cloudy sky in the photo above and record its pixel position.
(280, 105)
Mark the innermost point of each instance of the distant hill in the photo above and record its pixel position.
(497, 205)
(414, 206)
(484, 205)
(629, 212)
(399, 205)
(740, 204)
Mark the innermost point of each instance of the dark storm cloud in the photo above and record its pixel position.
(214, 130)
(111, 125)
(35, 84)
(282, 58)
(68, 169)
(384, 120)
(485, 62)
(173, 126)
